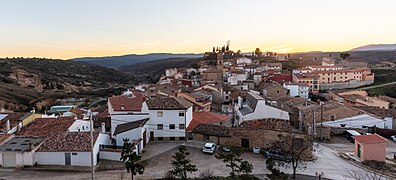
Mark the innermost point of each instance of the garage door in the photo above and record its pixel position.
(9, 160)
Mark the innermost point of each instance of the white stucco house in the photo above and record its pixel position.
(127, 108)
(255, 107)
(297, 89)
(169, 118)
(243, 60)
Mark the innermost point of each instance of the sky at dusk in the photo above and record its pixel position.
(78, 28)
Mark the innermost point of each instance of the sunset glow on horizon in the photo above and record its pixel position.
(69, 28)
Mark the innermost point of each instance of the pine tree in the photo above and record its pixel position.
(232, 159)
(182, 164)
(131, 159)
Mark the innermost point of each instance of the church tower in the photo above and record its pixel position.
(219, 59)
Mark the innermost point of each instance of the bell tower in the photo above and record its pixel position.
(219, 59)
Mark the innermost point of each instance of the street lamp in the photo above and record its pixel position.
(89, 113)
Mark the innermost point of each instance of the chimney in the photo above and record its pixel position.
(103, 127)
(30, 146)
(122, 107)
(8, 125)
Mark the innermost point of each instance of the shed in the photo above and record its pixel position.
(370, 147)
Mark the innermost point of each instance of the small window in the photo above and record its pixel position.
(332, 117)
(181, 113)
(160, 126)
(160, 138)
(172, 126)
(172, 138)
(74, 154)
(182, 138)
(182, 126)
(160, 113)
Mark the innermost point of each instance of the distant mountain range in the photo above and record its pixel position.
(376, 47)
(117, 62)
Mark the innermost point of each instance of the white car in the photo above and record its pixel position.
(393, 138)
(209, 148)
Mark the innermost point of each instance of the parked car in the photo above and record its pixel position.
(393, 138)
(256, 150)
(226, 149)
(349, 135)
(209, 148)
(277, 155)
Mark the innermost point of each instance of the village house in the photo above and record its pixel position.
(199, 101)
(357, 98)
(169, 118)
(255, 107)
(127, 108)
(297, 89)
(370, 147)
(12, 122)
(353, 63)
(332, 77)
(262, 133)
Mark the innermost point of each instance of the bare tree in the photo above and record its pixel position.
(297, 150)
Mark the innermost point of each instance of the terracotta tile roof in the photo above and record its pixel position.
(168, 103)
(281, 78)
(129, 126)
(14, 119)
(102, 115)
(46, 127)
(203, 117)
(211, 129)
(68, 142)
(371, 138)
(130, 103)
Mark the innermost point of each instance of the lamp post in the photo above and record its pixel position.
(92, 145)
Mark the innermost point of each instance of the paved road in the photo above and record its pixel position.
(159, 157)
(381, 85)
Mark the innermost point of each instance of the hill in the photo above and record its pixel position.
(376, 47)
(150, 72)
(25, 82)
(372, 57)
(126, 60)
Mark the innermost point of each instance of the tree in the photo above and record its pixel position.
(231, 158)
(214, 50)
(227, 48)
(131, 159)
(239, 52)
(297, 149)
(223, 49)
(344, 55)
(182, 164)
(246, 167)
(258, 52)
(275, 172)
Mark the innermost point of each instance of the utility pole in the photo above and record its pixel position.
(321, 120)
(92, 145)
(313, 126)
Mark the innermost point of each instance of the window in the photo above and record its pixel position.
(160, 126)
(206, 137)
(182, 138)
(172, 126)
(181, 113)
(160, 113)
(332, 117)
(160, 138)
(74, 154)
(182, 126)
(172, 138)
